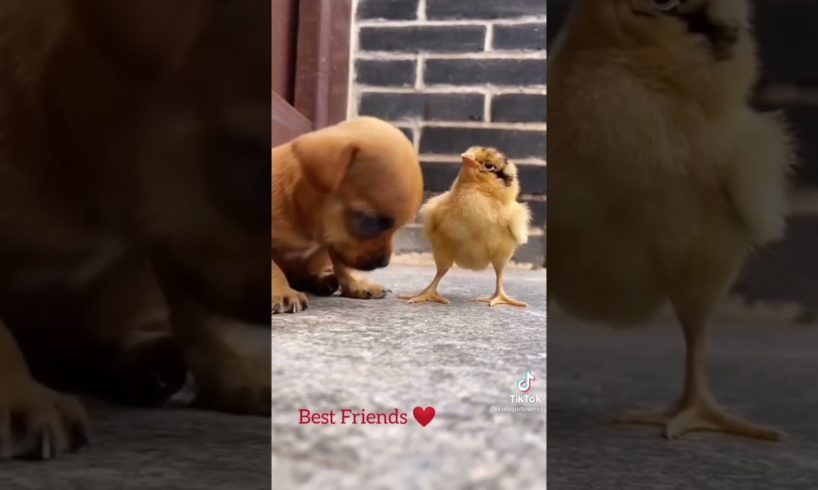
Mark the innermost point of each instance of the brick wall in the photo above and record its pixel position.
(457, 73)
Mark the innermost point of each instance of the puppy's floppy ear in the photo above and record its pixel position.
(142, 38)
(325, 157)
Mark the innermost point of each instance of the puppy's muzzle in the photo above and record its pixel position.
(376, 263)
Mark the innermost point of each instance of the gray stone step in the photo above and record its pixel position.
(786, 271)
(537, 205)
(410, 240)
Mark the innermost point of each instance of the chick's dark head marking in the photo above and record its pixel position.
(718, 22)
(702, 51)
(716, 27)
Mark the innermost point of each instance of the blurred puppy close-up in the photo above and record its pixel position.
(133, 209)
(339, 194)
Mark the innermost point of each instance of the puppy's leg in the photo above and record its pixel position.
(128, 322)
(113, 331)
(34, 420)
(284, 298)
(230, 360)
(354, 285)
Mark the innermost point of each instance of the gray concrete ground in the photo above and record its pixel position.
(463, 359)
(378, 355)
(169, 448)
(765, 370)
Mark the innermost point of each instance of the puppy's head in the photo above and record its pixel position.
(180, 154)
(369, 175)
(206, 137)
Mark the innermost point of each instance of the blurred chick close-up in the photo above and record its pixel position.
(662, 178)
(476, 224)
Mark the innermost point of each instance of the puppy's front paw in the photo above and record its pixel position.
(288, 300)
(232, 372)
(244, 399)
(362, 288)
(37, 422)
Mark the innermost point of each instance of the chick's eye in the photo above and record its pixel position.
(665, 5)
(489, 166)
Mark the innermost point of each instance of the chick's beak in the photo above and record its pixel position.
(468, 160)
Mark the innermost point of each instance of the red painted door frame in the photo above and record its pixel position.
(310, 48)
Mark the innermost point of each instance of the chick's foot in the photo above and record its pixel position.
(424, 297)
(501, 299)
(700, 415)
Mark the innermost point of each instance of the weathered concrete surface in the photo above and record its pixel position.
(168, 448)
(378, 355)
(765, 370)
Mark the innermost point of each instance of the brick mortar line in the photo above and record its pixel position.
(421, 14)
(474, 55)
(456, 89)
(386, 56)
(420, 69)
(501, 52)
(416, 128)
(353, 101)
(515, 21)
(487, 46)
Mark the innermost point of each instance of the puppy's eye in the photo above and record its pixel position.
(366, 226)
(665, 5)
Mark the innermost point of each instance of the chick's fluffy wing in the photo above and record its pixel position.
(519, 221)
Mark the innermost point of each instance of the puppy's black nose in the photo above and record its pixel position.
(383, 262)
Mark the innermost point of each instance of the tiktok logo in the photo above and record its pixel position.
(524, 384)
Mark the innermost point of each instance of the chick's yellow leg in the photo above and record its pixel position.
(500, 297)
(696, 409)
(430, 293)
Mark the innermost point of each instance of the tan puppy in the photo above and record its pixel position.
(338, 196)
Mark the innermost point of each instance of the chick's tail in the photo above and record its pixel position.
(758, 174)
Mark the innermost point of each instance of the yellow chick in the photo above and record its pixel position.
(662, 178)
(477, 223)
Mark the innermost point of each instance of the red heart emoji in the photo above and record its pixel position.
(424, 415)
